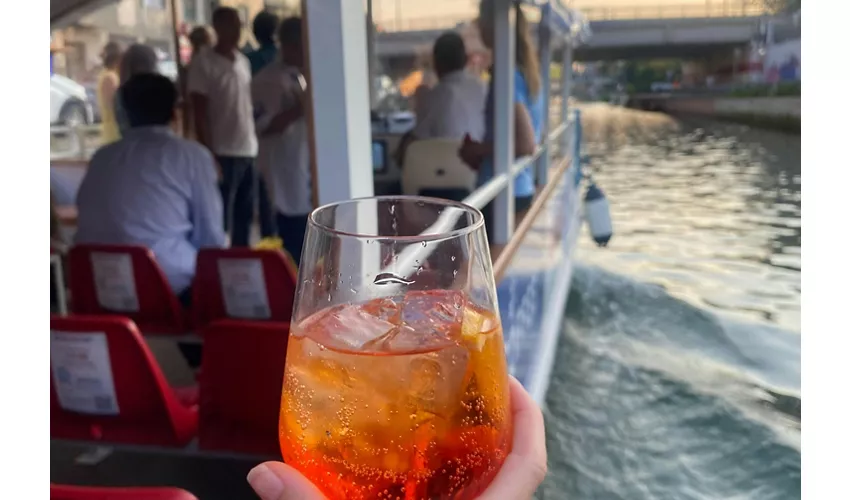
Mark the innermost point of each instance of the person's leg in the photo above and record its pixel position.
(291, 229)
(227, 186)
(243, 202)
(268, 227)
(192, 353)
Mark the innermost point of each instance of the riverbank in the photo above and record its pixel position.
(777, 113)
(780, 113)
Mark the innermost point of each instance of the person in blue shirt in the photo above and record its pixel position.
(264, 27)
(528, 114)
(153, 188)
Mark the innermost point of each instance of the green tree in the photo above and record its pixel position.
(778, 6)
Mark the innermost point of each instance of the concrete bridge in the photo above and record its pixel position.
(613, 39)
(662, 38)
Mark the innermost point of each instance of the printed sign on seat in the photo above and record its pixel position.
(243, 283)
(106, 386)
(125, 280)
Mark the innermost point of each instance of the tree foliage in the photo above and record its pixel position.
(778, 6)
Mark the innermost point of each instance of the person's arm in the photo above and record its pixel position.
(206, 205)
(473, 152)
(524, 143)
(284, 119)
(108, 86)
(199, 101)
(199, 116)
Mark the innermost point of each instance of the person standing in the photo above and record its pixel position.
(528, 114)
(220, 93)
(455, 105)
(138, 59)
(279, 91)
(265, 25)
(200, 39)
(107, 85)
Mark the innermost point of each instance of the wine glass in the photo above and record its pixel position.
(396, 383)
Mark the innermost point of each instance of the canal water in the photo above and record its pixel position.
(678, 372)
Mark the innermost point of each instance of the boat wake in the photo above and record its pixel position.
(654, 398)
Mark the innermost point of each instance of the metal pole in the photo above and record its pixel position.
(544, 43)
(372, 57)
(566, 84)
(504, 23)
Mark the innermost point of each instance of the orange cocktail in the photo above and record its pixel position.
(415, 407)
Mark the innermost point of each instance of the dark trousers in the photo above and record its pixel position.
(268, 228)
(192, 353)
(291, 229)
(237, 195)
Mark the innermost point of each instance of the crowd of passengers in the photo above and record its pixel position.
(149, 186)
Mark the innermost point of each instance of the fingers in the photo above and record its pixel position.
(525, 467)
(278, 481)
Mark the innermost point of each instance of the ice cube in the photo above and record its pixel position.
(436, 380)
(436, 316)
(351, 327)
(385, 308)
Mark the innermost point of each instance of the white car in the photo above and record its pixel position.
(69, 102)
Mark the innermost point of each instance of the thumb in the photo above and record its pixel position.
(278, 481)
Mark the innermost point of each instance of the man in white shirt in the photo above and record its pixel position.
(278, 92)
(455, 106)
(220, 91)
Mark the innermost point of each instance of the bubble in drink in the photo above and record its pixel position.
(415, 407)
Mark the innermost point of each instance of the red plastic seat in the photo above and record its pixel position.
(66, 492)
(158, 311)
(240, 386)
(277, 285)
(149, 411)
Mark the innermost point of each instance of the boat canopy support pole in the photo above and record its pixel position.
(566, 84)
(504, 23)
(544, 43)
(373, 59)
(339, 86)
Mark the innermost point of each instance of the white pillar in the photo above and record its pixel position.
(341, 134)
(372, 57)
(504, 23)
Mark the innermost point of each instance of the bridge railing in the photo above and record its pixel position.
(716, 8)
(421, 23)
(711, 8)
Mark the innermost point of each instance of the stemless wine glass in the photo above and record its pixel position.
(396, 383)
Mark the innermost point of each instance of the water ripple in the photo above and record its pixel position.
(678, 373)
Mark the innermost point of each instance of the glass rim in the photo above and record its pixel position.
(476, 224)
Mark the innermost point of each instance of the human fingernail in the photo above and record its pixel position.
(265, 483)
